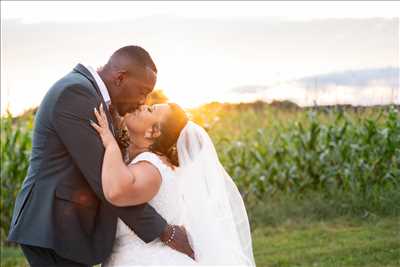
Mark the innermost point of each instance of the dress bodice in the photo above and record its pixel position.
(166, 201)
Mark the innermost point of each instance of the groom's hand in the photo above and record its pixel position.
(175, 237)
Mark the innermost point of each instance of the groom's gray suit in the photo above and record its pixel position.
(61, 205)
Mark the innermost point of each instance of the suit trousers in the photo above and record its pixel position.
(43, 257)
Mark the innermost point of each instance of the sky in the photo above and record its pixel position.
(306, 52)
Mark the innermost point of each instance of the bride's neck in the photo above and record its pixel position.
(138, 144)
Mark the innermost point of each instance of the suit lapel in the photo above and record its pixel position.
(86, 73)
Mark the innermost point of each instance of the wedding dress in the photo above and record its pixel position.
(199, 195)
(129, 249)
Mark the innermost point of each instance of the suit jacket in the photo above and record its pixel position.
(61, 204)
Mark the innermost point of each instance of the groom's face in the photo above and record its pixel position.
(135, 86)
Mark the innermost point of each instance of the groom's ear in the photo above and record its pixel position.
(119, 77)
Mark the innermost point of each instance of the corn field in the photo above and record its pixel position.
(270, 151)
(16, 136)
(267, 150)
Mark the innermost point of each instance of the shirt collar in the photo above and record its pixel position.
(100, 84)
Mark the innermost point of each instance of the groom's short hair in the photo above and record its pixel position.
(136, 54)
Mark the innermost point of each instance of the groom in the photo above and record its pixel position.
(61, 217)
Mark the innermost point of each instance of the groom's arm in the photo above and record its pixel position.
(71, 115)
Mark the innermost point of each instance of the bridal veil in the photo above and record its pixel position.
(213, 214)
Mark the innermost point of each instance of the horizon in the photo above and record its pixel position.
(343, 53)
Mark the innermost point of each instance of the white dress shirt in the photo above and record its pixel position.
(101, 85)
(103, 89)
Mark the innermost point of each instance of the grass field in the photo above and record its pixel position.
(342, 242)
(328, 244)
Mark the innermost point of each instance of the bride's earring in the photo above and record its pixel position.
(153, 132)
(148, 134)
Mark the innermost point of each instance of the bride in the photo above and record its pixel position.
(175, 169)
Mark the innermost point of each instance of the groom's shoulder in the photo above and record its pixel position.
(71, 84)
(74, 79)
(71, 90)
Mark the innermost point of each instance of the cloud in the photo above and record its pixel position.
(251, 89)
(374, 86)
(384, 77)
(198, 58)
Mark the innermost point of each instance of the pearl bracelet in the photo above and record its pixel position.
(172, 235)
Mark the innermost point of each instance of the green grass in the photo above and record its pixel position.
(341, 243)
(313, 207)
(12, 257)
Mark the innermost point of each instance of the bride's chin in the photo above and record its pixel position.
(131, 121)
(133, 132)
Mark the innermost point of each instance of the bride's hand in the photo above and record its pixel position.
(102, 127)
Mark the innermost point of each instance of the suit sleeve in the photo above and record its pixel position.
(70, 119)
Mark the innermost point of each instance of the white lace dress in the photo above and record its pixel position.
(129, 249)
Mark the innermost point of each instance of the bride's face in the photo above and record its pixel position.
(143, 119)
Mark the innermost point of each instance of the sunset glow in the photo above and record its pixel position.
(204, 50)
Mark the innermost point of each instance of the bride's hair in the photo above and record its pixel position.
(165, 144)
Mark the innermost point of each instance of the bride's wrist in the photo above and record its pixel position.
(112, 144)
(168, 234)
